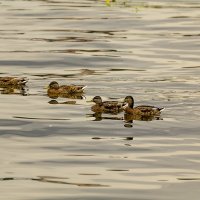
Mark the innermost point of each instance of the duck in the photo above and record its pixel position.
(106, 106)
(55, 90)
(144, 111)
(12, 81)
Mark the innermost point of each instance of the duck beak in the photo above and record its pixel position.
(46, 87)
(125, 105)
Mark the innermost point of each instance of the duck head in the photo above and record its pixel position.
(128, 102)
(97, 100)
(54, 85)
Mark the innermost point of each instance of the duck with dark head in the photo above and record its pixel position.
(142, 110)
(55, 89)
(106, 106)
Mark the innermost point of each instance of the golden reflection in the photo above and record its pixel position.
(99, 117)
(12, 81)
(130, 118)
(21, 90)
(13, 85)
(69, 96)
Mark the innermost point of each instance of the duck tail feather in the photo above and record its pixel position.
(161, 108)
(84, 87)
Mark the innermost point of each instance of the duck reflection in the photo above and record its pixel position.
(99, 117)
(53, 101)
(130, 118)
(55, 97)
(9, 81)
(69, 96)
(18, 90)
(13, 85)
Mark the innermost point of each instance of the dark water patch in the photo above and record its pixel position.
(48, 76)
(191, 35)
(128, 125)
(188, 179)
(97, 138)
(118, 170)
(37, 118)
(104, 32)
(52, 177)
(128, 138)
(139, 70)
(69, 51)
(84, 174)
(79, 155)
(177, 17)
(68, 39)
(46, 179)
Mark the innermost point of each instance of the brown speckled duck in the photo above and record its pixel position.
(54, 89)
(106, 106)
(143, 110)
(12, 81)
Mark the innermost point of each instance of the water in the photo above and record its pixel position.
(149, 50)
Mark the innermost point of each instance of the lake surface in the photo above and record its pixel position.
(51, 149)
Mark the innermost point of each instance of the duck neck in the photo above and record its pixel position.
(100, 104)
(131, 104)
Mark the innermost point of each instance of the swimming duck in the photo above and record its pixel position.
(106, 106)
(54, 89)
(12, 81)
(143, 110)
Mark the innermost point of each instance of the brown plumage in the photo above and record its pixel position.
(12, 81)
(55, 90)
(143, 110)
(106, 106)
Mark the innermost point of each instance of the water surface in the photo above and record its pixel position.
(51, 149)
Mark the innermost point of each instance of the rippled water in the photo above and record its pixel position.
(51, 149)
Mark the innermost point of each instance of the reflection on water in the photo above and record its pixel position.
(22, 90)
(67, 95)
(47, 179)
(55, 147)
(130, 118)
(53, 101)
(99, 117)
